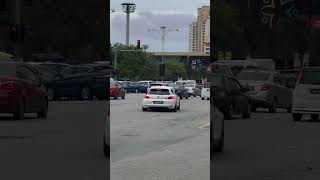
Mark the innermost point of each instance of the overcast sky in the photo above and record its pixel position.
(153, 14)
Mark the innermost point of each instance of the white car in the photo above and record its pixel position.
(156, 84)
(306, 95)
(106, 137)
(161, 97)
(205, 92)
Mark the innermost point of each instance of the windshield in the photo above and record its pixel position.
(310, 77)
(253, 76)
(159, 92)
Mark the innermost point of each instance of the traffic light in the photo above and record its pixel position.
(138, 44)
(14, 33)
(162, 70)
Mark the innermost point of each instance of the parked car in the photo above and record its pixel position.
(143, 87)
(193, 89)
(161, 97)
(131, 87)
(205, 91)
(117, 90)
(82, 82)
(106, 136)
(181, 91)
(306, 95)
(20, 91)
(216, 129)
(229, 96)
(45, 74)
(268, 89)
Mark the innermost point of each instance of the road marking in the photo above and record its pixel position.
(205, 125)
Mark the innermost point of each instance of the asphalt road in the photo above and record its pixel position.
(271, 147)
(159, 145)
(65, 146)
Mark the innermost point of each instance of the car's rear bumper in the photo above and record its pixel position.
(166, 104)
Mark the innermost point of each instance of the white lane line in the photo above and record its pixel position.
(205, 125)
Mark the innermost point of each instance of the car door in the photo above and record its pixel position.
(240, 99)
(33, 94)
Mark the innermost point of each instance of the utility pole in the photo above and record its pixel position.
(164, 32)
(17, 20)
(128, 8)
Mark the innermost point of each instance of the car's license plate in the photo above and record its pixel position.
(315, 91)
(157, 102)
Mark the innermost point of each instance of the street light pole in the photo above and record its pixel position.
(128, 8)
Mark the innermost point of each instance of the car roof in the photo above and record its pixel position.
(161, 87)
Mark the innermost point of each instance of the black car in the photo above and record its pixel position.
(181, 91)
(83, 82)
(229, 96)
(57, 67)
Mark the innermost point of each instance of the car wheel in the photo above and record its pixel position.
(314, 116)
(51, 94)
(202, 98)
(273, 107)
(179, 106)
(208, 98)
(194, 95)
(115, 96)
(296, 116)
(124, 96)
(106, 148)
(86, 94)
(187, 97)
(44, 111)
(175, 109)
(144, 109)
(228, 113)
(220, 145)
(19, 113)
(247, 114)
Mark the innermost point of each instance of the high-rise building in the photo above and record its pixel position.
(199, 34)
(193, 37)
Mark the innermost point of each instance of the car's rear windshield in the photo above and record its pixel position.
(253, 76)
(311, 77)
(159, 92)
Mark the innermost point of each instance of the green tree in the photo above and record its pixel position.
(175, 69)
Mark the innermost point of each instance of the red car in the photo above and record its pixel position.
(117, 90)
(20, 90)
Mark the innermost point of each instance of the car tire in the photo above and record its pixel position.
(106, 148)
(44, 111)
(228, 113)
(247, 114)
(179, 106)
(194, 95)
(51, 94)
(144, 109)
(175, 109)
(187, 97)
(124, 96)
(273, 107)
(19, 113)
(220, 145)
(314, 117)
(296, 116)
(115, 97)
(86, 94)
(202, 98)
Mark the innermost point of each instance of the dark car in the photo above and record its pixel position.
(131, 87)
(45, 74)
(82, 82)
(181, 91)
(20, 91)
(229, 96)
(143, 87)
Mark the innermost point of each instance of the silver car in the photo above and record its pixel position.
(268, 89)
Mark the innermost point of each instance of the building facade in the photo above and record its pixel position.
(199, 33)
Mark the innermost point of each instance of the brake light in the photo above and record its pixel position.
(171, 97)
(265, 88)
(9, 85)
(146, 97)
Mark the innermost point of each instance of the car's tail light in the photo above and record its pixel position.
(9, 85)
(171, 97)
(265, 87)
(146, 97)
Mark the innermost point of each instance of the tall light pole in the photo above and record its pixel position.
(164, 32)
(128, 8)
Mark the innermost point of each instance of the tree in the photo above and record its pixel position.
(175, 69)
